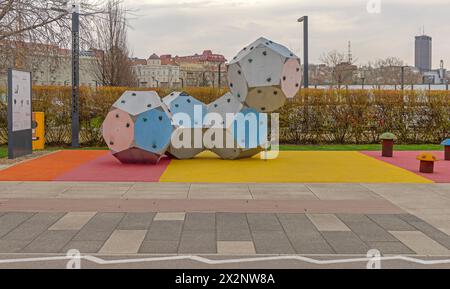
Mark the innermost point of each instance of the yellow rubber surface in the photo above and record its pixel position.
(292, 167)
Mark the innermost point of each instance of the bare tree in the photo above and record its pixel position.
(341, 68)
(33, 31)
(388, 72)
(39, 20)
(114, 65)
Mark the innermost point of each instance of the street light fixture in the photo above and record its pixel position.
(182, 82)
(75, 69)
(157, 81)
(402, 67)
(304, 19)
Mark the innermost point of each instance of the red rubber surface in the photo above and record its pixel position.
(108, 169)
(407, 160)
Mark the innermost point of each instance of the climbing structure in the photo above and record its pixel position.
(141, 128)
(138, 128)
(264, 74)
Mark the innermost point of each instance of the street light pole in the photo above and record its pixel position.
(304, 19)
(403, 77)
(75, 76)
(220, 75)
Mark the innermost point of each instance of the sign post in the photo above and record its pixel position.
(19, 114)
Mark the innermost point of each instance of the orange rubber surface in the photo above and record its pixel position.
(48, 167)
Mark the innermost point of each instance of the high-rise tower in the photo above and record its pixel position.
(423, 53)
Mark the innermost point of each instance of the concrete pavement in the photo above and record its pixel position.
(225, 220)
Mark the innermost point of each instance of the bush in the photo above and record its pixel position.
(313, 117)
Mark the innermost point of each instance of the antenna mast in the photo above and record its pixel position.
(350, 55)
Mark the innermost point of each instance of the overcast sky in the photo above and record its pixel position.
(182, 27)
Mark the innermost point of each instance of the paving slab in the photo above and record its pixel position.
(85, 247)
(33, 190)
(198, 242)
(391, 223)
(345, 195)
(100, 227)
(161, 187)
(346, 243)
(235, 248)
(49, 242)
(33, 227)
(206, 206)
(337, 188)
(272, 242)
(136, 221)
(303, 235)
(388, 188)
(164, 231)
(281, 192)
(435, 234)
(200, 222)
(264, 222)
(12, 246)
(391, 248)
(232, 227)
(281, 195)
(279, 187)
(124, 242)
(94, 192)
(366, 229)
(157, 191)
(143, 195)
(10, 221)
(421, 243)
(73, 221)
(328, 222)
(170, 217)
(220, 192)
(159, 247)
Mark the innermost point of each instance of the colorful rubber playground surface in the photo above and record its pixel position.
(289, 167)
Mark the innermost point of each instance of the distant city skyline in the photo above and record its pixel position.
(190, 26)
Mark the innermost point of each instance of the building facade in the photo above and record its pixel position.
(153, 73)
(200, 70)
(423, 53)
(49, 64)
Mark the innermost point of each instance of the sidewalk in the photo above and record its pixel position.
(134, 219)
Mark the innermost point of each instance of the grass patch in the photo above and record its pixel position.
(370, 147)
(3, 152)
(4, 149)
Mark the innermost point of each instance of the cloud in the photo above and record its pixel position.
(183, 27)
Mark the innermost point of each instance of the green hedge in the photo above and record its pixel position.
(313, 117)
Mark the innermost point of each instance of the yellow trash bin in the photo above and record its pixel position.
(38, 125)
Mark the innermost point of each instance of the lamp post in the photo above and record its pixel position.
(304, 19)
(402, 67)
(220, 75)
(403, 77)
(157, 81)
(75, 113)
(362, 76)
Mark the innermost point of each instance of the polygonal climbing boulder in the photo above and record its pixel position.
(138, 128)
(264, 75)
(187, 116)
(233, 130)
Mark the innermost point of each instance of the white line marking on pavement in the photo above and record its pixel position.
(74, 257)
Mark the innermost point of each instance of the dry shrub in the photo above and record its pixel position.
(314, 116)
